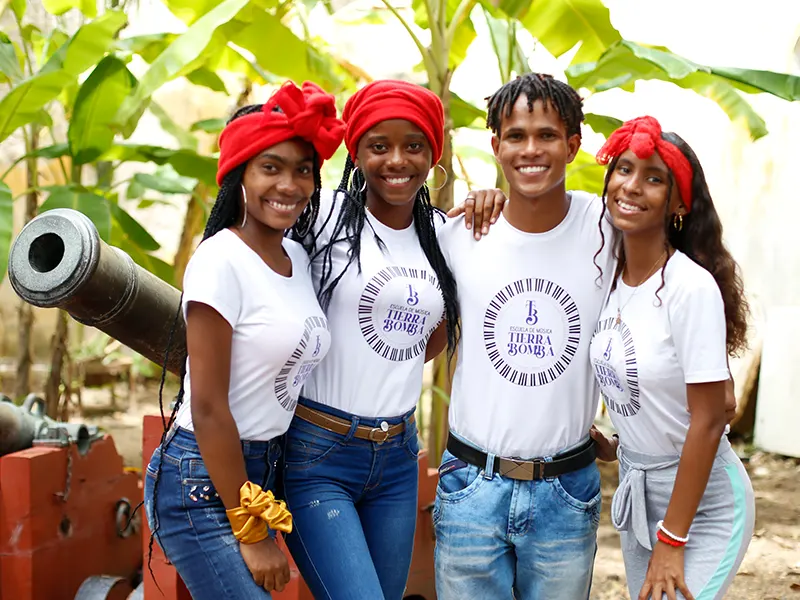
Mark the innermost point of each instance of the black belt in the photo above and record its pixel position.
(526, 470)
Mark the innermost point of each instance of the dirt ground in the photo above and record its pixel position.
(771, 568)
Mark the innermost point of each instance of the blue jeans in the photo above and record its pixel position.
(193, 529)
(495, 535)
(354, 504)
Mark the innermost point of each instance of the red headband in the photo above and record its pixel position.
(643, 136)
(392, 99)
(309, 114)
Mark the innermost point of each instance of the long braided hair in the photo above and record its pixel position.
(226, 212)
(350, 225)
(699, 238)
(536, 86)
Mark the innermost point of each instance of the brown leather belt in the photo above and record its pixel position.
(343, 426)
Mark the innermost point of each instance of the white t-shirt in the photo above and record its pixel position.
(529, 302)
(380, 320)
(279, 331)
(644, 362)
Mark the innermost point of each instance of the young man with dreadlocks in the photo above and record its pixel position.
(518, 500)
(350, 475)
(254, 331)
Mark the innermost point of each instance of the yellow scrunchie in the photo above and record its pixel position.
(258, 510)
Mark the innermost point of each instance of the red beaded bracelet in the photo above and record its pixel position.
(662, 537)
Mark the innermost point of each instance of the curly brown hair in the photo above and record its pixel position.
(700, 238)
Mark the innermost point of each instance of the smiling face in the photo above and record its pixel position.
(637, 194)
(395, 158)
(533, 149)
(279, 183)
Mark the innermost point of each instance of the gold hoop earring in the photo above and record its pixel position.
(677, 222)
(244, 218)
(445, 178)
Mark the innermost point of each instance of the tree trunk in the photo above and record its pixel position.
(22, 385)
(192, 227)
(59, 342)
(52, 389)
(438, 426)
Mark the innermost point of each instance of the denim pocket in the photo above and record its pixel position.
(305, 447)
(580, 490)
(412, 445)
(459, 483)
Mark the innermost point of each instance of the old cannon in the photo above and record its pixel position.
(21, 426)
(59, 261)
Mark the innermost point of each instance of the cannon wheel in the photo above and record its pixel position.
(103, 587)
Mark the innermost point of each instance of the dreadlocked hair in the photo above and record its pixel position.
(226, 212)
(699, 238)
(350, 225)
(536, 86)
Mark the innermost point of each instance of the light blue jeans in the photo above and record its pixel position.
(495, 535)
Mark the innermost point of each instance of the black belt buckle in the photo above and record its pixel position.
(522, 470)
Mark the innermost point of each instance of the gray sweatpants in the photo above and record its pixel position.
(719, 535)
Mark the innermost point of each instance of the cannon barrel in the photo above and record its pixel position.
(59, 261)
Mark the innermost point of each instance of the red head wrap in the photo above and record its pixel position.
(393, 99)
(308, 113)
(643, 136)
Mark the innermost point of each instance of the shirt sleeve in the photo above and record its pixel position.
(210, 279)
(697, 318)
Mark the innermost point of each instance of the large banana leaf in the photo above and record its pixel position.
(627, 62)
(278, 50)
(6, 226)
(9, 60)
(90, 133)
(560, 25)
(585, 174)
(185, 162)
(59, 7)
(132, 229)
(92, 205)
(24, 103)
(602, 124)
(173, 61)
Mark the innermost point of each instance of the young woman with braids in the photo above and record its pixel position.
(254, 331)
(676, 310)
(350, 475)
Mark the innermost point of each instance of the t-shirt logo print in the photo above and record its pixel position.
(619, 394)
(294, 373)
(389, 315)
(531, 331)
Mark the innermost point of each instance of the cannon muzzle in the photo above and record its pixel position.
(59, 261)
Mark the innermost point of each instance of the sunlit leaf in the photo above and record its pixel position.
(181, 53)
(602, 124)
(560, 25)
(90, 133)
(59, 7)
(92, 205)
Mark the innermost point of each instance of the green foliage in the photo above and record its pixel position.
(625, 63)
(59, 7)
(94, 206)
(602, 124)
(90, 133)
(24, 103)
(173, 61)
(585, 174)
(560, 25)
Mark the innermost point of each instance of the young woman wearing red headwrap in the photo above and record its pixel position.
(254, 331)
(351, 469)
(684, 505)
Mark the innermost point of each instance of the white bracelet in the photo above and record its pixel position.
(668, 533)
